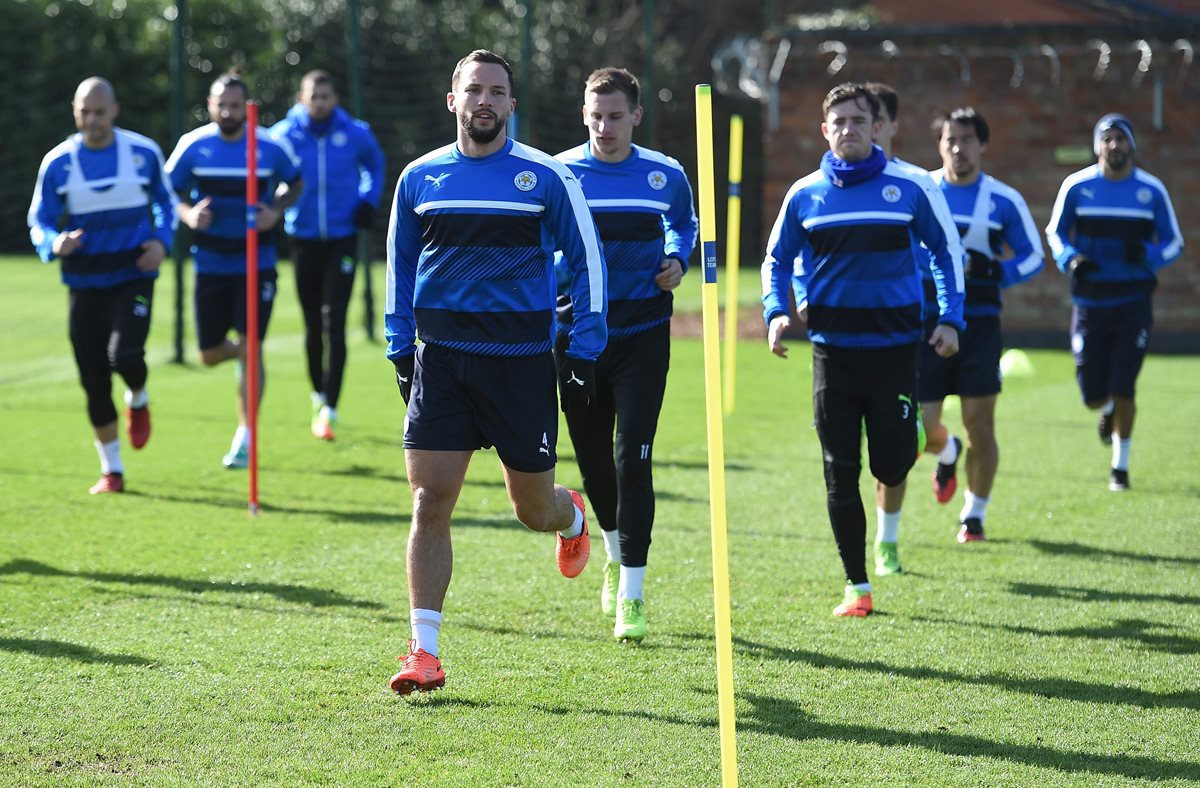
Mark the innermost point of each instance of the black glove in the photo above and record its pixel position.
(364, 215)
(576, 384)
(405, 365)
(1135, 252)
(983, 267)
(1080, 267)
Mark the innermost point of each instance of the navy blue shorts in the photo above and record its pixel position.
(220, 303)
(1109, 345)
(465, 401)
(974, 371)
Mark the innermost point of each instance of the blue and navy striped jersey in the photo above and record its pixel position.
(204, 164)
(342, 166)
(471, 255)
(642, 208)
(1004, 222)
(1127, 227)
(852, 250)
(120, 200)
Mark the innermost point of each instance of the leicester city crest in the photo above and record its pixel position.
(657, 180)
(891, 193)
(1144, 196)
(525, 180)
(339, 138)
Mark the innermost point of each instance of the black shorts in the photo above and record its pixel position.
(1109, 345)
(464, 401)
(110, 323)
(974, 371)
(876, 386)
(221, 305)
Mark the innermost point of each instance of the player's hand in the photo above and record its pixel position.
(670, 274)
(944, 340)
(576, 384)
(1080, 267)
(268, 216)
(153, 253)
(775, 332)
(405, 366)
(199, 216)
(364, 216)
(66, 244)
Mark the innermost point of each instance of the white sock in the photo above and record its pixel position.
(888, 525)
(425, 626)
(137, 399)
(612, 545)
(241, 437)
(110, 456)
(318, 398)
(862, 588)
(1121, 453)
(950, 453)
(973, 506)
(576, 526)
(1107, 408)
(630, 586)
(329, 413)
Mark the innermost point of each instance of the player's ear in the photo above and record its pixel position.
(583, 111)
(637, 116)
(450, 101)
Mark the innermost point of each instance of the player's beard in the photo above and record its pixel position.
(478, 135)
(229, 126)
(1116, 159)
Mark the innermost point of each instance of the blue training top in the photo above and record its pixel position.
(204, 164)
(117, 195)
(343, 168)
(852, 251)
(986, 228)
(642, 207)
(471, 255)
(1127, 227)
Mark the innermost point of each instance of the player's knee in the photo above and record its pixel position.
(891, 472)
(632, 461)
(841, 482)
(210, 357)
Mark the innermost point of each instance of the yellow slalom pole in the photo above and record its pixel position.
(733, 245)
(716, 438)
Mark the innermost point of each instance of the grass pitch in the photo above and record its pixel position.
(163, 637)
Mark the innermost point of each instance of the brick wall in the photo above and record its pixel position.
(1027, 123)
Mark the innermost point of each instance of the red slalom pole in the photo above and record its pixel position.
(251, 370)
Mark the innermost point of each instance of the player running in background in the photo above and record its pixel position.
(889, 500)
(851, 224)
(1112, 228)
(474, 228)
(208, 170)
(102, 206)
(642, 205)
(342, 165)
(990, 216)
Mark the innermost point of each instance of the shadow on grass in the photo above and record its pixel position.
(691, 465)
(787, 718)
(1096, 594)
(317, 597)
(225, 501)
(1087, 551)
(62, 650)
(1064, 689)
(1154, 635)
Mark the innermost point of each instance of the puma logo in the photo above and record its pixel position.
(574, 379)
(437, 182)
